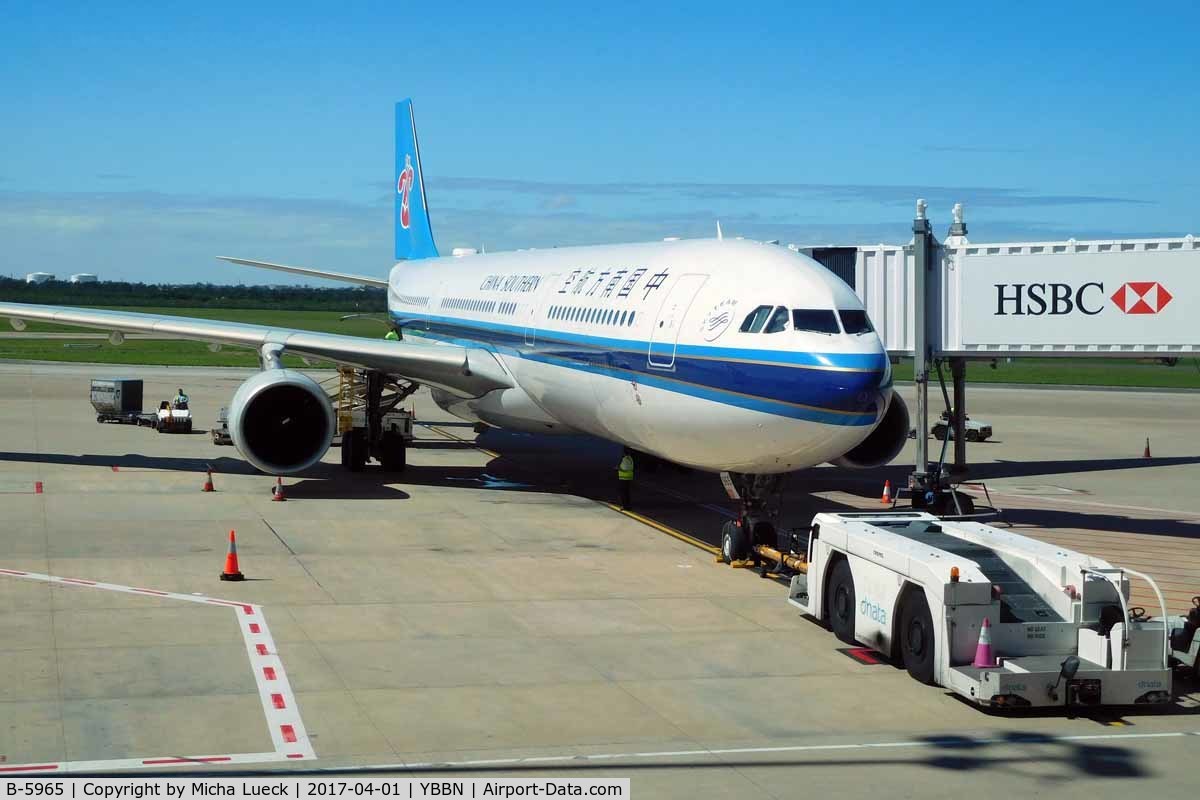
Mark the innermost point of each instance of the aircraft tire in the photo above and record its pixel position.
(394, 451)
(734, 546)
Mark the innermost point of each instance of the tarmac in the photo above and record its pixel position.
(488, 613)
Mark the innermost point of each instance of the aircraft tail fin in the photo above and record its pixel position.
(414, 234)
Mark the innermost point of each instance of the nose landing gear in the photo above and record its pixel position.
(757, 515)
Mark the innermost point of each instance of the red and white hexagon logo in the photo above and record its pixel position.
(1141, 297)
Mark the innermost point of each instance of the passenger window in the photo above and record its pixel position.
(855, 321)
(755, 319)
(779, 321)
(816, 320)
(631, 313)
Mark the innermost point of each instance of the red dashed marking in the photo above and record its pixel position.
(862, 655)
(197, 760)
(37, 489)
(295, 755)
(262, 649)
(13, 572)
(30, 768)
(254, 628)
(277, 700)
(289, 733)
(246, 608)
(152, 591)
(269, 673)
(80, 581)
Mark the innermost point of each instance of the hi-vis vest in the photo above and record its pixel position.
(625, 469)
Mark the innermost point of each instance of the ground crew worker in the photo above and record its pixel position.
(625, 479)
(393, 336)
(181, 399)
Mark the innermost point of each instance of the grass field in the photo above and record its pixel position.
(1074, 372)
(1060, 371)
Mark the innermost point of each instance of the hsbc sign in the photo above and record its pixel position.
(1012, 300)
(1035, 299)
(1142, 297)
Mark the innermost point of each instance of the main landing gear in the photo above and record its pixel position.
(372, 423)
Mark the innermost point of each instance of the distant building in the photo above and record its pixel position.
(39, 277)
(83, 277)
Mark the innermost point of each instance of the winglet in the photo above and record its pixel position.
(414, 234)
(720, 235)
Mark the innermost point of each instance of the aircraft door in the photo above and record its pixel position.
(664, 337)
(536, 302)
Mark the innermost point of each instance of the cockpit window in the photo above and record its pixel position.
(755, 319)
(817, 320)
(778, 321)
(855, 321)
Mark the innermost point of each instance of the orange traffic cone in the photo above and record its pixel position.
(983, 650)
(232, 573)
(886, 499)
(277, 492)
(1146, 452)
(208, 484)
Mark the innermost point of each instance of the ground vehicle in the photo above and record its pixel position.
(1185, 638)
(220, 434)
(919, 589)
(119, 400)
(976, 430)
(172, 420)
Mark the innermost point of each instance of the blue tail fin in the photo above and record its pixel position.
(414, 235)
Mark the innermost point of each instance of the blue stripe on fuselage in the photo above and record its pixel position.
(831, 388)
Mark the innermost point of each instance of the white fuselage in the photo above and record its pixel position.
(642, 344)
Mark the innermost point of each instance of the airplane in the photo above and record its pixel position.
(724, 355)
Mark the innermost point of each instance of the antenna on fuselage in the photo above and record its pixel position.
(720, 235)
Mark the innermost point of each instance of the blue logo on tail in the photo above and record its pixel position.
(414, 235)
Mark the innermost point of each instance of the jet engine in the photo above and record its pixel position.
(884, 443)
(281, 421)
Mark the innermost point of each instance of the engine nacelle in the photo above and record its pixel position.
(281, 421)
(884, 443)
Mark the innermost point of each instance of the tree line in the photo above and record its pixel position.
(196, 295)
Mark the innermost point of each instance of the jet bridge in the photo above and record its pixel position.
(957, 300)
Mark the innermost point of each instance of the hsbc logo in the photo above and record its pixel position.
(1058, 299)
(1141, 297)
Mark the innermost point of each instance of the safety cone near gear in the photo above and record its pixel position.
(983, 651)
(208, 484)
(232, 573)
(886, 499)
(277, 494)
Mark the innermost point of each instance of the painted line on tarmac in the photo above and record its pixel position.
(678, 534)
(658, 526)
(1051, 500)
(582, 758)
(450, 435)
(279, 704)
(668, 530)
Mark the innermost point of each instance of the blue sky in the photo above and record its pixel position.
(139, 141)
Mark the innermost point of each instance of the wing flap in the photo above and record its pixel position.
(467, 372)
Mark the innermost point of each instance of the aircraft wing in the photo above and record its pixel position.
(463, 371)
(310, 272)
